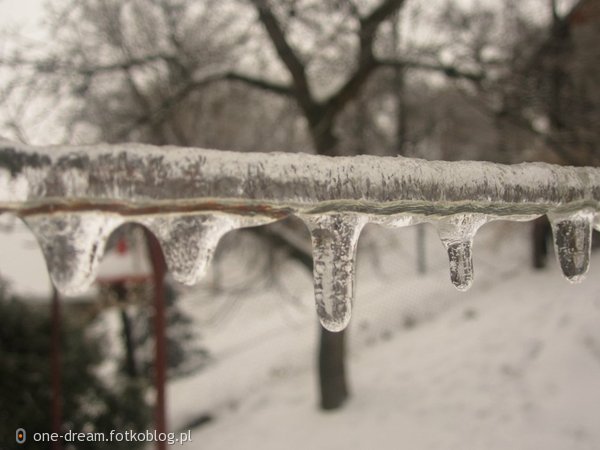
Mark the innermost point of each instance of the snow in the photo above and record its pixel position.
(513, 363)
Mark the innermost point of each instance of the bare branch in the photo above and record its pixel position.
(448, 70)
(160, 114)
(51, 65)
(370, 24)
(261, 83)
(366, 59)
(286, 53)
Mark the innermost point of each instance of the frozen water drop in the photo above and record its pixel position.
(334, 241)
(456, 233)
(573, 242)
(72, 244)
(189, 242)
(461, 263)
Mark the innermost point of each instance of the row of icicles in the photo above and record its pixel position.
(73, 244)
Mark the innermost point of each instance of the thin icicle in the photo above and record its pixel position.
(73, 245)
(573, 242)
(334, 240)
(189, 241)
(457, 233)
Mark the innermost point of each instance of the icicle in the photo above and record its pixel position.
(334, 240)
(73, 244)
(456, 233)
(189, 242)
(573, 242)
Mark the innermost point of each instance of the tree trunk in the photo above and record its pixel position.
(399, 89)
(332, 369)
(332, 354)
(131, 366)
(130, 360)
(541, 233)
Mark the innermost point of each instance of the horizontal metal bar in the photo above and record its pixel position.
(134, 179)
(72, 198)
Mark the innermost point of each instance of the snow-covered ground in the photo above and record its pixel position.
(513, 363)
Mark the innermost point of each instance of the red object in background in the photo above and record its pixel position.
(122, 247)
(127, 262)
(159, 270)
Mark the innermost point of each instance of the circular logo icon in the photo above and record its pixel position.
(21, 435)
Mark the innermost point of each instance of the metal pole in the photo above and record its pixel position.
(160, 369)
(55, 365)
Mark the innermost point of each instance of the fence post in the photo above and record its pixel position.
(55, 368)
(160, 361)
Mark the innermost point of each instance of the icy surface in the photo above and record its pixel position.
(73, 197)
(334, 239)
(457, 233)
(189, 241)
(73, 245)
(573, 242)
(134, 176)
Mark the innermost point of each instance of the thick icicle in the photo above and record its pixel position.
(456, 233)
(573, 242)
(189, 241)
(72, 245)
(334, 240)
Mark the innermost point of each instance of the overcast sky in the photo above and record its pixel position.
(25, 12)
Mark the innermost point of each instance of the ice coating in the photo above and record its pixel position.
(457, 233)
(189, 241)
(135, 178)
(573, 242)
(334, 239)
(396, 220)
(73, 245)
(72, 197)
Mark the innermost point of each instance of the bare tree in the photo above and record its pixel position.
(204, 74)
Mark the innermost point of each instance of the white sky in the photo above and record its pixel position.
(20, 12)
(26, 12)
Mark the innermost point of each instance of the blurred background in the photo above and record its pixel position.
(513, 363)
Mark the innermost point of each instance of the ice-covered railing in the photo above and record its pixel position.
(72, 198)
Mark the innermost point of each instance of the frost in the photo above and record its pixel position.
(73, 197)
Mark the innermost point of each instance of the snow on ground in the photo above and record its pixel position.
(514, 363)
